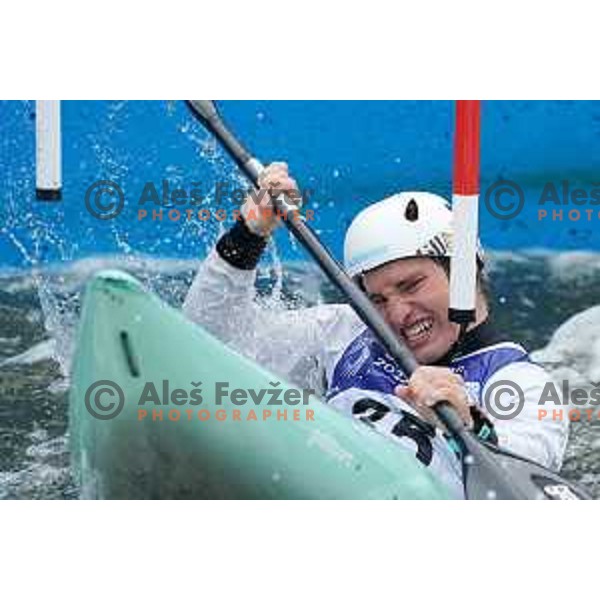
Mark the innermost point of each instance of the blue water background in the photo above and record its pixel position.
(348, 154)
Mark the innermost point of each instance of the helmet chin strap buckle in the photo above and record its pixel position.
(461, 316)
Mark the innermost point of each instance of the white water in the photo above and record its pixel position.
(45, 350)
(573, 353)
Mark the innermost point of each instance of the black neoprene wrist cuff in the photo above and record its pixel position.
(240, 247)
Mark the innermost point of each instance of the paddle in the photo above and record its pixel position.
(489, 473)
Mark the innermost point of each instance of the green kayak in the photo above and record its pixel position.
(161, 409)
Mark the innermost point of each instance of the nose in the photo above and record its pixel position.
(396, 312)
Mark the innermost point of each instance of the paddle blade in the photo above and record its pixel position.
(205, 110)
(521, 480)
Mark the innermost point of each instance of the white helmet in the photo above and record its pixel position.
(405, 225)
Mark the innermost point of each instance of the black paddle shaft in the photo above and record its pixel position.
(476, 457)
(309, 240)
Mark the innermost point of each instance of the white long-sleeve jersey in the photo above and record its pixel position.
(329, 349)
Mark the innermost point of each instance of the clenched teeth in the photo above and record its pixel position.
(417, 329)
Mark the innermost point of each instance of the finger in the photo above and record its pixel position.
(432, 395)
(286, 188)
(436, 393)
(271, 180)
(432, 380)
(272, 173)
(421, 391)
(269, 189)
(278, 166)
(272, 177)
(282, 183)
(427, 373)
(457, 399)
(277, 181)
(290, 185)
(402, 391)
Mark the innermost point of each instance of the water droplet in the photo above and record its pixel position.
(491, 495)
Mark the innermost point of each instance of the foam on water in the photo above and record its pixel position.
(540, 290)
(45, 350)
(46, 472)
(572, 346)
(40, 460)
(574, 350)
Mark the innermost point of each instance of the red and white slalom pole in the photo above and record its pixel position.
(465, 209)
(48, 184)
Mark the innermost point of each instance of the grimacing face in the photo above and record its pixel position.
(412, 294)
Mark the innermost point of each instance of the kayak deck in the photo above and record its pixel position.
(134, 353)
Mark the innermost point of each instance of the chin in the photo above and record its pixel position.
(429, 354)
(424, 358)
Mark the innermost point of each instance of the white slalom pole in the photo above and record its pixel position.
(48, 150)
(465, 205)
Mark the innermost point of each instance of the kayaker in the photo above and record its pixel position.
(398, 250)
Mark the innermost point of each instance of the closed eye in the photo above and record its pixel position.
(402, 287)
(410, 286)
